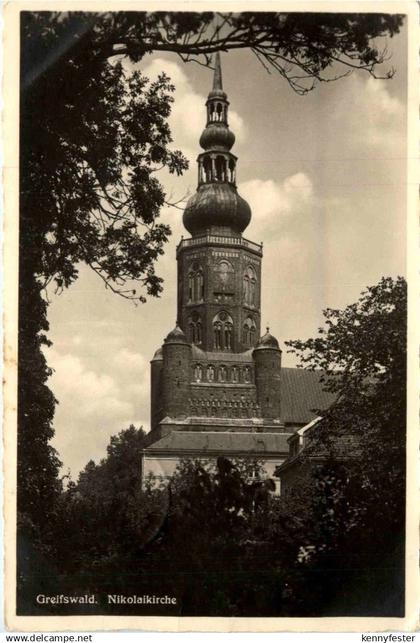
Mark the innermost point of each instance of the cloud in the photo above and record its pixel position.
(95, 391)
(128, 359)
(272, 203)
(132, 370)
(188, 116)
(370, 115)
(94, 403)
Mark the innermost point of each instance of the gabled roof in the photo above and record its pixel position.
(308, 427)
(214, 443)
(344, 446)
(302, 395)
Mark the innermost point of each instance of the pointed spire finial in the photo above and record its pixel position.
(268, 329)
(217, 78)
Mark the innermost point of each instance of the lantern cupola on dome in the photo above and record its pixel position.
(217, 204)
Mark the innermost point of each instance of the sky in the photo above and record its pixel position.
(325, 177)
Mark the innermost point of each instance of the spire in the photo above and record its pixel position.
(217, 204)
(217, 78)
(217, 89)
(217, 133)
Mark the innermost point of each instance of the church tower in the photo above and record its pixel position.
(219, 273)
(213, 372)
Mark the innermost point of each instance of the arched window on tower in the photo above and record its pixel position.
(191, 330)
(223, 331)
(195, 328)
(249, 331)
(220, 168)
(198, 373)
(207, 169)
(246, 288)
(199, 285)
(199, 333)
(232, 171)
(224, 268)
(219, 110)
(222, 373)
(212, 112)
(217, 327)
(195, 283)
(252, 333)
(228, 336)
(190, 285)
(250, 286)
(223, 279)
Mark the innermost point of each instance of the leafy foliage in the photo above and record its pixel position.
(362, 351)
(214, 547)
(300, 47)
(359, 493)
(89, 190)
(108, 489)
(38, 464)
(203, 539)
(364, 344)
(93, 136)
(38, 483)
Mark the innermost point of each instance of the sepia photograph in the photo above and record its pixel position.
(212, 313)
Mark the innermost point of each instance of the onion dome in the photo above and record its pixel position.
(217, 136)
(158, 356)
(217, 204)
(267, 341)
(176, 336)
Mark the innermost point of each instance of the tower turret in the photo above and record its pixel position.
(156, 388)
(176, 367)
(267, 359)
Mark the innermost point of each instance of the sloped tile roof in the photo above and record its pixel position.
(186, 442)
(345, 447)
(302, 395)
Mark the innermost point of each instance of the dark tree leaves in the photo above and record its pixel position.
(356, 507)
(93, 136)
(92, 139)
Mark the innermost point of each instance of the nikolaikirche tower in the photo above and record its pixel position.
(216, 384)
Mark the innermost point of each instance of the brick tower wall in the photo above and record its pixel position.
(219, 295)
(267, 380)
(176, 379)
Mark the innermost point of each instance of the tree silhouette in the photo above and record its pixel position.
(93, 138)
